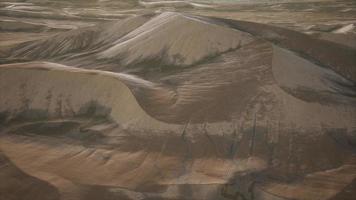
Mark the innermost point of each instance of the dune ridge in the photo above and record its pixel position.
(198, 40)
(86, 90)
(78, 40)
(130, 42)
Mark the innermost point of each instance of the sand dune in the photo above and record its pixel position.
(55, 99)
(8, 25)
(77, 41)
(153, 4)
(180, 107)
(198, 40)
(335, 56)
(129, 42)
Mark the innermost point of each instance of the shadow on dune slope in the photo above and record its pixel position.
(341, 59)
(16, 185)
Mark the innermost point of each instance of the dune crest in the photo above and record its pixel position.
(77, 40)
(88, 93)
(158, 39)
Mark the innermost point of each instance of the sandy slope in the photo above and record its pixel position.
(158, 145)
(76, 41)
(159, 38)
(20, 185)
(337, 57)
(105, 95)
(79, 160)
(251, 112)
(136, 40)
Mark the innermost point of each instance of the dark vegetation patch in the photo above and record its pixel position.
(3, 117)
(94, 109)
(290, 155)
(49, 128)
(62, 129)
(158, 65)
(29, 115)
(91, 110)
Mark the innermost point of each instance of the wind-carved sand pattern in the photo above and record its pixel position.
(172, 105)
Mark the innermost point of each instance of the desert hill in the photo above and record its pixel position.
(153, 42)
(138, 40)
(159, 39)
(176, 106)
(78, 40)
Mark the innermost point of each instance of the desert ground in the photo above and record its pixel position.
(177, 100)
